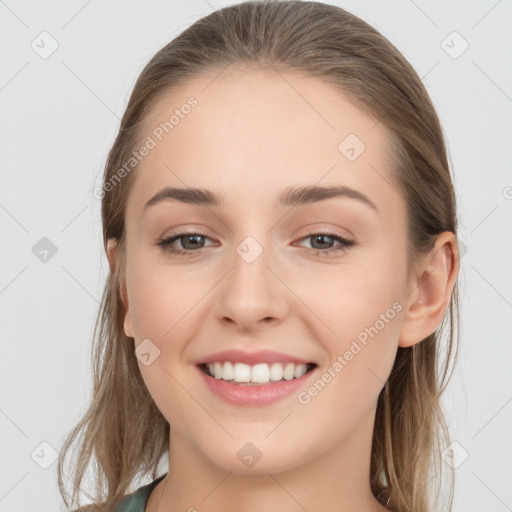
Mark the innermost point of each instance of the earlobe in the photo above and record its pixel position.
(128, 326)
(431, 292)
(112, 253)
(112, 249)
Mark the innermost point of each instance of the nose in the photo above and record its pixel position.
(252, 295)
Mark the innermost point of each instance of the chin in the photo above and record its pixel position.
(251, 458)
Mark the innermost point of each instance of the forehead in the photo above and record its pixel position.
(247, 134)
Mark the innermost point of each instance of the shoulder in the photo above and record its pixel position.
(90, 508)
(133, 502)
(130, 503)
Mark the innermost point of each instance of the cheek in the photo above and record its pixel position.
(345, 300)
(162, 309)
(357, 318)
(360, 356)
(160, 297)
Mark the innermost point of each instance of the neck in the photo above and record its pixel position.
(335, 480)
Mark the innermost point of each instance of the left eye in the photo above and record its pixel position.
(344, 244)
(193, 243)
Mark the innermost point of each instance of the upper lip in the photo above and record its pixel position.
(252, 358)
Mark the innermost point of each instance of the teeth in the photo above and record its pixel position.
(260, 373)
(276, 372)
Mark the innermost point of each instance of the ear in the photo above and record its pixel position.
(112, 255)
(430, 290)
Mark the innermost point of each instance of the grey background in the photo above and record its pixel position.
(59, 116)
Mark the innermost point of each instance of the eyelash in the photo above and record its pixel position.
(165, 243)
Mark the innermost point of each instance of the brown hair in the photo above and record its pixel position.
(122, 429)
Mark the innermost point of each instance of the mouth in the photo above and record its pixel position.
(255, 375)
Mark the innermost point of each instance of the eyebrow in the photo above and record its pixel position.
(289, 197)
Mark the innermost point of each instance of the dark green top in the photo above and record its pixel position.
(136, 501)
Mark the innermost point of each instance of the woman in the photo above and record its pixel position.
(280, 224)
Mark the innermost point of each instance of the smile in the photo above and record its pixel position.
(255, 385)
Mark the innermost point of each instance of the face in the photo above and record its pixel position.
(320, 280)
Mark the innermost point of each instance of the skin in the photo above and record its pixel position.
(251, 136)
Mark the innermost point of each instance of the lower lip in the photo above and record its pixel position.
(254, 395)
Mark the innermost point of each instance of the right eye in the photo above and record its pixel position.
(167, 244)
